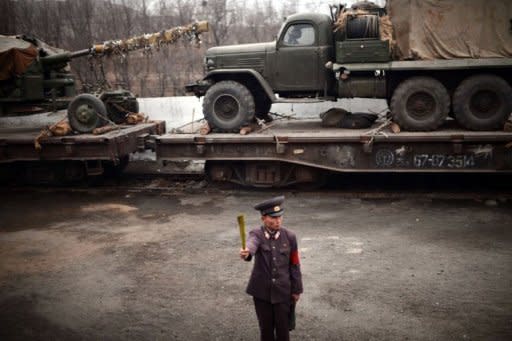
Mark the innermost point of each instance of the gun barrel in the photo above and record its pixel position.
(56, 59)
(62, 58)
(80, 53)
(147, 41)
(202, 26)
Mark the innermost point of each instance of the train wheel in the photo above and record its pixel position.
(217, 171)
(309, 178)
(482, 102)
(116, 169)
(420, 103)
(72, 172)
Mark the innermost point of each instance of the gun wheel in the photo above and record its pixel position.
(86, 112)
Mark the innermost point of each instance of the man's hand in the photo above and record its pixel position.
(295, 297)
(244, 253)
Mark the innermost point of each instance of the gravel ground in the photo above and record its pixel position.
(114, 265)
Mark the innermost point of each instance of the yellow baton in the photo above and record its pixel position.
(241, 225)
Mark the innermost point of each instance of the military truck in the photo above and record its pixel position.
(429, 60)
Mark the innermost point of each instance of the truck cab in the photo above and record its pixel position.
(243, 81)
(303, 47)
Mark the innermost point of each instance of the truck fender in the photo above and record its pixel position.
(232, 73)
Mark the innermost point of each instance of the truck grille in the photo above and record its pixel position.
(256, 63)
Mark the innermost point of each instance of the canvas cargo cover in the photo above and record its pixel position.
(15, 56)
(450, 29)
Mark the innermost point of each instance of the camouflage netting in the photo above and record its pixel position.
(18, 52)
(386, 29)
(447, 29)
(147, 42)
(441, 29)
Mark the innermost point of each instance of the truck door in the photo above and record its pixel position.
(297, 59)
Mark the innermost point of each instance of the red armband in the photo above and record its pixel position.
(294, 258)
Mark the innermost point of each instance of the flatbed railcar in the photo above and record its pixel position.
(68, 158)
(293, 152)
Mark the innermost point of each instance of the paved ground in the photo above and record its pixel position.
(165, 266)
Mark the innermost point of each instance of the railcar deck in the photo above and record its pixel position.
(286, 149)
(17, 144)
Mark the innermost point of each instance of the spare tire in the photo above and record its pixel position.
(228, 106)
(420, 103)
(363, 27)
(482, 102)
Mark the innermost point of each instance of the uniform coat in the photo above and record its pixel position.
(276, 272)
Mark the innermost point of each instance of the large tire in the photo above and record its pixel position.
(420, 104)
(482, 102)
(228, 106)
(86, 112)
(363, 27)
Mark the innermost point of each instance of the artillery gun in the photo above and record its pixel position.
(35, 77)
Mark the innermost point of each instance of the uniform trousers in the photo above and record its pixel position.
(273, 317)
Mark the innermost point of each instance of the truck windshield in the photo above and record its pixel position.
(299, 35)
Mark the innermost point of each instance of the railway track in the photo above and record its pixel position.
(363, 186)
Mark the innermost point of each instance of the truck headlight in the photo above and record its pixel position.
(210, 63)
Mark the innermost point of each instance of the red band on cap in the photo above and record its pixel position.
(294, 258)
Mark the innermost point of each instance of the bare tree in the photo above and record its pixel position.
(220, 16)
(7, 17)
(77, 24)
(185, 10)
(288, 7)
(25, 16)
(79, 16)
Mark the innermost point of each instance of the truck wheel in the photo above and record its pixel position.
(482, 102)
(420, 103)
(228, 106)
(86, 112)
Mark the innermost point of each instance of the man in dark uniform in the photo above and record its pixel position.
(276, 280)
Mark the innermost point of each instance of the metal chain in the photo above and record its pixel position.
(108, 120)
